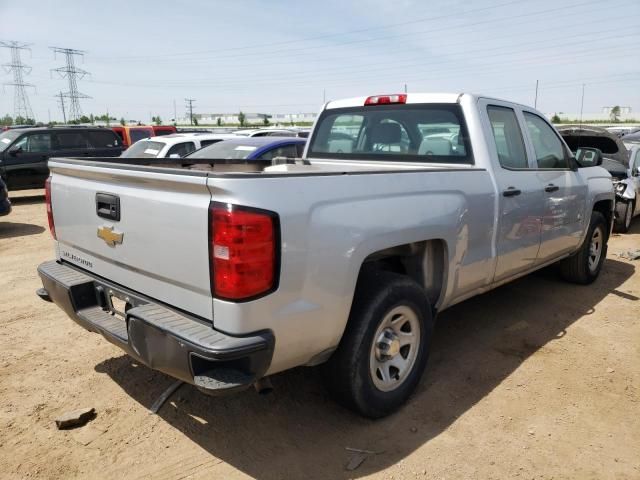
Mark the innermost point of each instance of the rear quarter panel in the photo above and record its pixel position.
(331, 223)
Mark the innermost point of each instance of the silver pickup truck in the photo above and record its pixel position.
(220, 272)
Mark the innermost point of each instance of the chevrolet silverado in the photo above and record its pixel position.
(221, 272)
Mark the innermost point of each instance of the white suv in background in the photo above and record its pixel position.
(176, 145)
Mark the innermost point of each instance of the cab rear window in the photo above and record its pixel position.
(433, 133)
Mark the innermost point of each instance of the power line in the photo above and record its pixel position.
(304, 51)
(318, 37)
(531, 53)
(72, 74)
(21, 105)
(189, 107)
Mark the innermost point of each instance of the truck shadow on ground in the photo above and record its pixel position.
(298, 432)
(13, 229)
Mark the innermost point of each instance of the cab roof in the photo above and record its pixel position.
(415, 98)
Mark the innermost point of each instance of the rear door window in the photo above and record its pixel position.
(105, 139)
(508, 137)
(181, 149)
(71, 140)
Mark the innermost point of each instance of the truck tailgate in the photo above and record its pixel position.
(163, 252)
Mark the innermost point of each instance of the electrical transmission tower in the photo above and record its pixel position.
(189, 107)
(72, 74)
(21, 105)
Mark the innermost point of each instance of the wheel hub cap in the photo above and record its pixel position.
(395, 348)
(388, 345)
(595, 249)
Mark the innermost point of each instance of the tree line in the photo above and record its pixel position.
(8, 120)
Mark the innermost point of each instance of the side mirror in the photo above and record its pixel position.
(589, 157)
(636, 172)
(14, 151)
(174, 155)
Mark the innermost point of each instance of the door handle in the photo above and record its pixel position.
(551, 188)
(511, 192)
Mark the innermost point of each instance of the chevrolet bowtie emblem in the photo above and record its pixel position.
(109, 236)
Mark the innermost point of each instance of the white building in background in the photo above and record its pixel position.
(250, 118)
(626, 113)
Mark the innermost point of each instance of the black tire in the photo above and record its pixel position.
(348, 373)
(576, 268)
(624, 213)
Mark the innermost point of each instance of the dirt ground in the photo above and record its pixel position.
(537, 379)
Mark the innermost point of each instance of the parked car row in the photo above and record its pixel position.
(250, 145)
(175, 145)
(25, 151)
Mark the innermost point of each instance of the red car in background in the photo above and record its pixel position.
(131, 134)
(159, 130)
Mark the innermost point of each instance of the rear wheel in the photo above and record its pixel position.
(385, 347)
(624, 214)
(585, 265)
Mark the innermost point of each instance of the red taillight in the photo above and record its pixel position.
(47, 200)
(243, 251)
(386, 99)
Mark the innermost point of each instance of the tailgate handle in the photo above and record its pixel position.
(108, 206)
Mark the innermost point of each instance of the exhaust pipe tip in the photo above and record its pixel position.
(263, 386)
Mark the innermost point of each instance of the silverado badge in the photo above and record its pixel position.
(109, 236)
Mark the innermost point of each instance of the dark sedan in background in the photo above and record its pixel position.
(24, 152)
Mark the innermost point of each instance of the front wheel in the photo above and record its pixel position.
(624, 214)
(385, 346)
(584, 266)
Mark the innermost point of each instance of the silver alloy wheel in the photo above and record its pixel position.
(595, 249)
(395, 348)
(628, 215)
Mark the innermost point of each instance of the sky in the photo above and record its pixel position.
(287, 56)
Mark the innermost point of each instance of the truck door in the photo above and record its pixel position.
(564, 191)
(26, 161)
(520, 199)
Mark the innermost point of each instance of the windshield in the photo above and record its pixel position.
(226, 150)
(7, 138)
(407, 133)
(143, 149)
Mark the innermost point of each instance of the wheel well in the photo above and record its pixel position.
(605, 207)
(423, 261)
